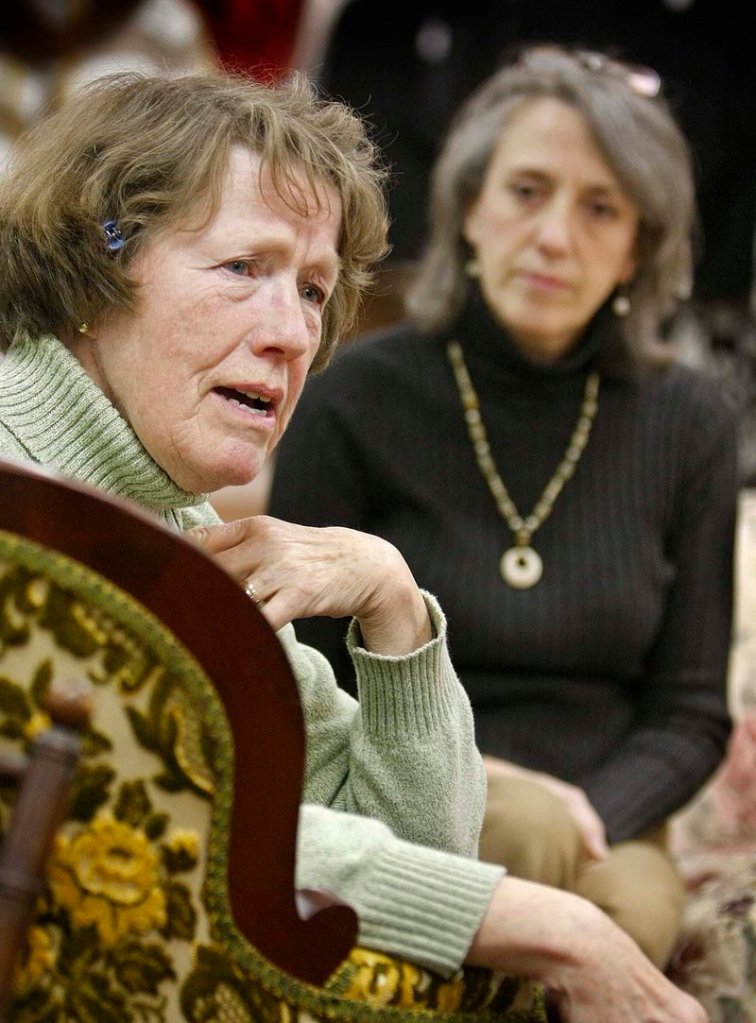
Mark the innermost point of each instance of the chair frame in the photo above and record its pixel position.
(306, 934)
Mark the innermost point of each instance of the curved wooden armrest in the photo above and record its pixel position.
(311, 901)
(328, 917)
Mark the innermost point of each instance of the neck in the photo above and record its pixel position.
(598, 347)
(539, 350)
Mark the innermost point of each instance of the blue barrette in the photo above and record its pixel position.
(113, 235)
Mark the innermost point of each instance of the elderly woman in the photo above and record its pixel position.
(176, 257)
(563, 487)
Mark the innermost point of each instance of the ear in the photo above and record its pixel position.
(630, 266)
(471, 225)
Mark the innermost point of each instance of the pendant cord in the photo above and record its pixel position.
(522, 529)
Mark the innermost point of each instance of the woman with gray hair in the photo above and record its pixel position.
(548, 471)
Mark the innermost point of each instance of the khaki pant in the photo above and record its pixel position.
(529, 831)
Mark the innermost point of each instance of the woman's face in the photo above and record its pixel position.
(210, 367)
(551, 228)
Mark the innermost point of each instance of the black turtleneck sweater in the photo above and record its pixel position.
(610, 672)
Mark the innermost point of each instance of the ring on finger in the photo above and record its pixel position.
(251, 591)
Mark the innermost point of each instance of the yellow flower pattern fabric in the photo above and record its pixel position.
(134, 923)
(378, 979)
(38, 957)
(107, 876)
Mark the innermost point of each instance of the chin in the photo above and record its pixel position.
(231, 464)
(231, 478)
(206, 479)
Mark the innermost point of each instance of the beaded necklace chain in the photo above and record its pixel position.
(521, 566)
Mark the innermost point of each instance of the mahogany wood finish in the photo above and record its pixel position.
(211, 615)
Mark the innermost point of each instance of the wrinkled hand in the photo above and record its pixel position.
(593, 971)
(304, 571)
(589, 824)
(616, 983)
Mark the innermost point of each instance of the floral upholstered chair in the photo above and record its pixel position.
(168, 894)
(715, 837)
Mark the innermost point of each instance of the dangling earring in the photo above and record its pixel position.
(621, 304)
(472, 267)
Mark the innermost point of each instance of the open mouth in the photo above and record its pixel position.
(251, 400)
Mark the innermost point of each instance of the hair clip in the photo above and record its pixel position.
(113, 235)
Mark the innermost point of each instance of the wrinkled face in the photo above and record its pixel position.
(210, 367)
(552, 230)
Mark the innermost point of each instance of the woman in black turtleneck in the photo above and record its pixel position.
(592, 634)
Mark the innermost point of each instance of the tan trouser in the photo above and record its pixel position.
(529, 831)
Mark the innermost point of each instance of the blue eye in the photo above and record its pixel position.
(314, 294)
(238, 266)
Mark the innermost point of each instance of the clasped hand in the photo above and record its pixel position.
(589, 824)
(306, 571)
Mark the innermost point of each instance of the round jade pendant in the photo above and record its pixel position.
(521, 567)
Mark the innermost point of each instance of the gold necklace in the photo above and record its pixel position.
(521, 567)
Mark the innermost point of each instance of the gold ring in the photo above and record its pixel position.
(249, 589)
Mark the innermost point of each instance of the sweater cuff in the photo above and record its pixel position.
(414, 694)
(424, 905)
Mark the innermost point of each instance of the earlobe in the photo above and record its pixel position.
(86, 329)
(470, 235)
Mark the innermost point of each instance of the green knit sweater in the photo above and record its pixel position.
(394, 789)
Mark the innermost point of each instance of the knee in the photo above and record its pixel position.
(654, 923)
(643, 893)
(529, 831)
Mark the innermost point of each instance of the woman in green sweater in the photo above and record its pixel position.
(176, 257)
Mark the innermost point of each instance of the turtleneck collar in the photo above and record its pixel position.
(483, 337)
(65, 422)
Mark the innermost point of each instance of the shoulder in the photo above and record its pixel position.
(678, 393)
(392, 352)
(686, 413)
(701, 397)
(374, 370)
(678, 417)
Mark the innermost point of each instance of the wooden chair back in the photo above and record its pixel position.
(206, 696)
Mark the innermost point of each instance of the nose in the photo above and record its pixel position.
(286, 331)
(554, 231)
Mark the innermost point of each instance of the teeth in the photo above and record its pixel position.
(252, 400)
(242, 404)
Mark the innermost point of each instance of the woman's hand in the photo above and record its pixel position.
(589, 823)
(303, 572)
(594, 972)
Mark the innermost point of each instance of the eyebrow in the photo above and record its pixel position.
(331, 267)
(543, 175)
